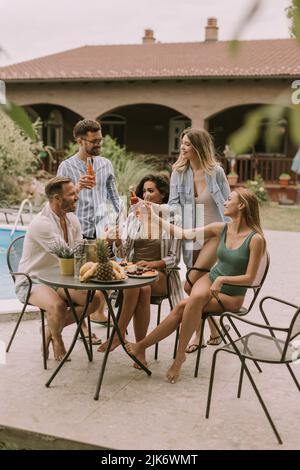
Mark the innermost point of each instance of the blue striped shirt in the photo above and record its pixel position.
(94, 204)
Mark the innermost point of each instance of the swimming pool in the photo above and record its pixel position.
(7, 290)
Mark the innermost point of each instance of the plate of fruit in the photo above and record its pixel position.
(139, 271)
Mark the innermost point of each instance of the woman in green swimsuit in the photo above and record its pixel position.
(240, 250)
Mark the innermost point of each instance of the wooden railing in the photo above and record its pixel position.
(269, 167)
(247, 166)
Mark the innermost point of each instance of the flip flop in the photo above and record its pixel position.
(103, 323)
(95, 341)
(216, 340)
(193, 348)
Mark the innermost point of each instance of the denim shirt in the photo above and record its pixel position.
(182, 193)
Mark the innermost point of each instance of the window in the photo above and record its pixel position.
(177, 125)
(55, 129)
(114, 125)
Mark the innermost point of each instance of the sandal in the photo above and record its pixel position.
(216, 340)
(95, 341)
(194, 347)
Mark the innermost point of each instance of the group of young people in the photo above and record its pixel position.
(218, 230)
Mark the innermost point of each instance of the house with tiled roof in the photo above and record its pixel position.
(145, 94)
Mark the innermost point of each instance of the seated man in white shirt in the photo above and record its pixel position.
(55, 221)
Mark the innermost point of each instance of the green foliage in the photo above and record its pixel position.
(247, 135)
(20, 118)
(62, 250)
(258, 187)
(129, 167)
(284, 176)
(293, 13)
(18, 158)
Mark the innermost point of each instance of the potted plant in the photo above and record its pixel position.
(284, 179)
(232, 178)
(65, 256)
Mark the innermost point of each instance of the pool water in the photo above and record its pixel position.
(7, 290)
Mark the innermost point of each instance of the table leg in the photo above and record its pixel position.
(89, 297)
(115, 330)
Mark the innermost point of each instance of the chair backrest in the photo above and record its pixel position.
(260, 277)
(14, 254)
(295, 325)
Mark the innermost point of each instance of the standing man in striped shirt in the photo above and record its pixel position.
(95, 192)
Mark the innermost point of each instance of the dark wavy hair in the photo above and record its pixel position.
(161, 183)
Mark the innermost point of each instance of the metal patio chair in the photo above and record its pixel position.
(13, 257)
(258, 347)
(255, 290)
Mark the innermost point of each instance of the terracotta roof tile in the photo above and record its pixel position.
(258, 58)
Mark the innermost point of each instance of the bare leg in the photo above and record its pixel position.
(57, 314)
(164, 329)
(200, 301)
(98, 314)
(130, 301)
(141, 320)
(206, 259)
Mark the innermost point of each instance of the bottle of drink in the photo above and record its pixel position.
(89, 167)
(133, 197)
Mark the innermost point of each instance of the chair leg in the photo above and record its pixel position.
(199, 347)
(262, 404)
(211, 383)
(219, 330)
(293, 376)
(90, 335)
(44, 339)
(176, 342)
(157, 323)
(241, 380)
(16, 327)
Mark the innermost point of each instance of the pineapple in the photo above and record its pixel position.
(105, 268)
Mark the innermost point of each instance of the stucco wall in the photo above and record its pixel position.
(197, 99)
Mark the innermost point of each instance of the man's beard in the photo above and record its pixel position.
(94, 152)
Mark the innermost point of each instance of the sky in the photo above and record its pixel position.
(34, 28)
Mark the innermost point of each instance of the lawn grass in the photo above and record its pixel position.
(276, 217)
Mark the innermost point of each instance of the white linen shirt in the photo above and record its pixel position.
(44, 229)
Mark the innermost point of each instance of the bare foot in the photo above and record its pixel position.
(135, 349)
(58, 348)
(142, 359)
(173, 373)
(104, 346)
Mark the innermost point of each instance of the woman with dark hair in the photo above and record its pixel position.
(240, 250)
(161, 184)
(154, 253)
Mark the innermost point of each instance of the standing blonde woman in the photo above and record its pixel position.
(240, 250)
(198, 181)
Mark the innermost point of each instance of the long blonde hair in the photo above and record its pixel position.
(203, 145)
(251, 210)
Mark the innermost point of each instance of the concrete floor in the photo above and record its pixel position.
(137, 412)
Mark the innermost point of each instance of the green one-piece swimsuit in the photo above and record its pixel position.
(231, 263)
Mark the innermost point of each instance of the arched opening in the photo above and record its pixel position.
(145, 128)
(258, 159)
(226, 122)
(57, 123)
